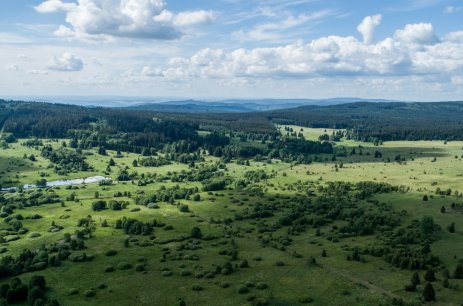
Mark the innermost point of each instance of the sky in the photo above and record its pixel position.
(218, 49)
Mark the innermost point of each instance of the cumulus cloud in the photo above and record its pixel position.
(151, 72)
(418, 33)
(51, 6)
(367, 27)
(106, 19)
(413, 50)
(454, 36)
(66, 62)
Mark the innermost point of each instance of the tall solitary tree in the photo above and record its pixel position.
(458, 273)
(429, 294)
(415, 281)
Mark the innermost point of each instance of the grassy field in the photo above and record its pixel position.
(275, 276)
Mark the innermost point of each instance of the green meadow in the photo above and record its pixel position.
(241, 261)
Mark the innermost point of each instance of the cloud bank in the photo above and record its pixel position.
(413, 50)
(108, 19)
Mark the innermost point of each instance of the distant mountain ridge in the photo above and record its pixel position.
(242, 105)
(172, 104)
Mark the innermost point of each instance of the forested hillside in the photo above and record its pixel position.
(385, 121)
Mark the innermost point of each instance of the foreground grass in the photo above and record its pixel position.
(332, 281)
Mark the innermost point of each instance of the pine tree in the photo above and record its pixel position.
(445, 283)
(428, 293)
(415, 279)
(429, 276)
(451, 228)
(458, 273)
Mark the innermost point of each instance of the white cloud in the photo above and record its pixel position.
(12, 67)
(66, 62)
(51, 6)
(151, 72)
(367, 27)
(105, 19)
(452, 9)
(414, 50)
(418, 33)
(192, 18)
(454, 36)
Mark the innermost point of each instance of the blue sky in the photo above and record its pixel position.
(409, 49)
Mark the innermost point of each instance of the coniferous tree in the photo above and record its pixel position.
(429, 276)
(429, 294)
(458, 273)
(415, 281)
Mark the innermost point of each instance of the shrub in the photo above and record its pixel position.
(196, 233)
(111, 252)
(124, 265)
(185, 273)
(37, 280)
(261, 286)
(243, 264)
(16, 294)
(139, 267)
(109, 269)
(73, 291)
(243, 289)
(305, 300)
(184, 208)
(34, 294)
(99, 205)
(458, 273)
(249, 284)
(89, 293)
(196, 287)
(102, 286)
